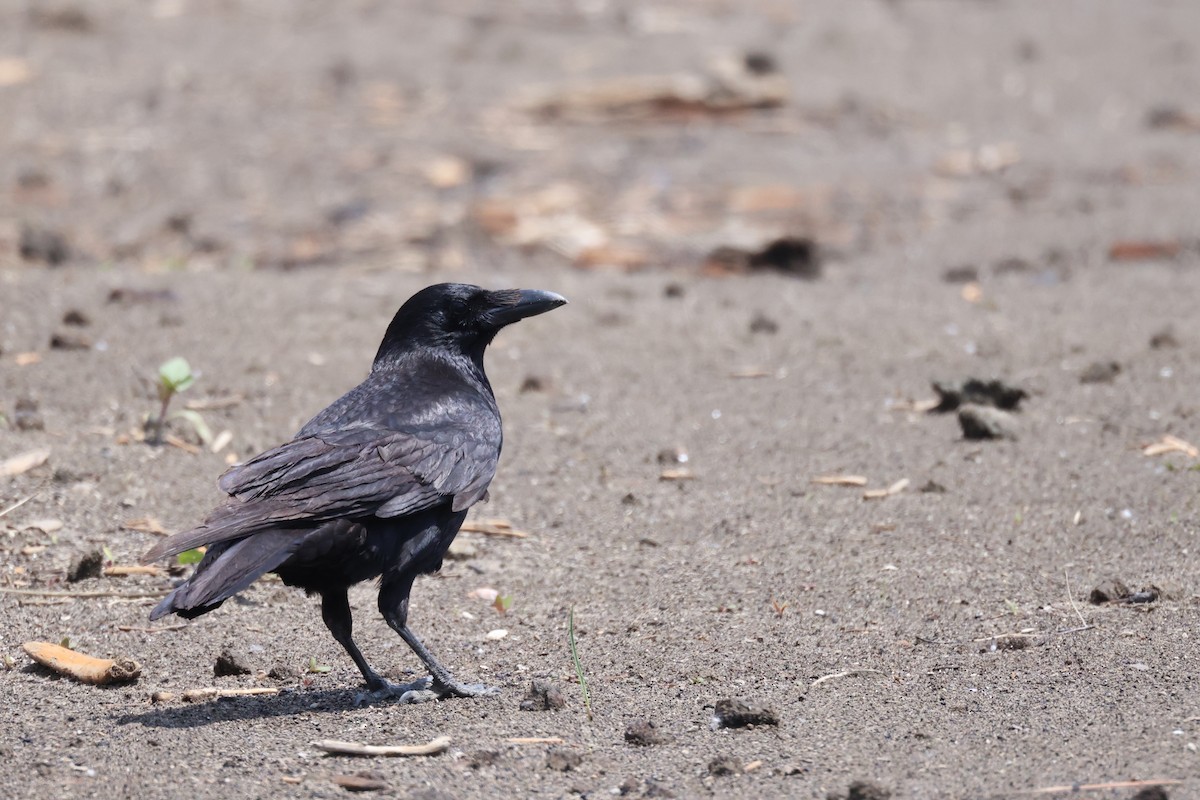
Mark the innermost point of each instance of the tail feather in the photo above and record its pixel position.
(227, 569)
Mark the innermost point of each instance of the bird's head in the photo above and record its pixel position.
(461, 317)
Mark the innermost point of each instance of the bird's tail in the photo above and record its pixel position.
(228, 568)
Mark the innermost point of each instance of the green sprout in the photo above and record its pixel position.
(174, 376)
(587, 698)
(503, 603)
(192, 556)
(314, 667)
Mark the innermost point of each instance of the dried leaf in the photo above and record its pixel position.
(44, 525)
(24, 462)
(1143, 250)
(82, 667)
(144, 525)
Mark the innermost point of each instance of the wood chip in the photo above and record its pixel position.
(27, 359)
(214, 692)
(125, 570)
(175, 441)
(144, 525)
(895, 488)
(1143, 251)
(24, 462)
(751, 373)
(360, 783)
(677, 474)
(337, 747)
(82, 667)
(221, 441)
(44, 525)
(1171, 444)
(841, 480)
(492, 527)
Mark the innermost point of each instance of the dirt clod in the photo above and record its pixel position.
(361, 782)
(563, 760)
(644, 733)
(43, 244)
(284, 673)
(763, 324)
(542, 697)
(1151, 793)
(230, 663)
(984, 422)
(722, 766)
(1107, 591)
(26, 416)
(973, 391)
(88, 565)
(864, 790)
(1100, 372)
(736, 714)
(1147, 594)
(76, 318)
(70, 341)
(1164, 339)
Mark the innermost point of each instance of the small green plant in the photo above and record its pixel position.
(587, 698)
(503, 603)
(314, 667)
(174, 376)
(193, 556)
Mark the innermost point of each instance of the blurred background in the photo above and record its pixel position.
(444, 137)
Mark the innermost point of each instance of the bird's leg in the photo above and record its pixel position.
(393, 604)
(335, 610)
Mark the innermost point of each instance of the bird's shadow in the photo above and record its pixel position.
(231, 709)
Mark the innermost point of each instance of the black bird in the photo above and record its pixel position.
(374, 486)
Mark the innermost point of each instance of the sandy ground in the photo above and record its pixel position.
(999, 189)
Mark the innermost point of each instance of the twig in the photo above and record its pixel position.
(1071, 599)
(536, 740)
(51, 593)
(337, 747)
(164, 629)
(587, 698)
(18, 504)
(1087, 787)
(845, 674)
(214, 692)
(1073, 630)
(492, 527)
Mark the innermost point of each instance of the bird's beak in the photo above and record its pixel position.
(518, 304)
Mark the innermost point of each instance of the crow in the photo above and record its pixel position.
(374, 486)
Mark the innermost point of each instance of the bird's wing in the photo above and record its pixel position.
(357, 471)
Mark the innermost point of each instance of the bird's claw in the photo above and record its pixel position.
(422, 690)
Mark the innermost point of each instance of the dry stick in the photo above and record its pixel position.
(536, 740)
(164, 629)
(212, 693)
(18, 504)
(845, 674)
(1087, 787)
(1071, 599)
(51, 593)
(337, 747)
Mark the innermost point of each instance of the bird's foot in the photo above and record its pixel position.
(421, 690)
(418, 691)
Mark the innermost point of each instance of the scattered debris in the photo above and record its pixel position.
(987, 159)
(645, 733)
(81, 667)
(88, 565)
(43, 244)
(1147, 594)
(1107, 591)
(542, 697)
(896, 488)
(161, 696)
(1100, 372)
(722, 766)
(216, 693)
(70, 341)
(731, 85)
(791, 255)
(24, 462)
(985, 422)
(1171, 444)
(977, 392)
(26, 416)
(562, 759)
(1135, 250)
(1009, 641)
(844, 674)
(361, 782)
(841, 480)
(492, 527)
(230, 663)
(736, 714)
